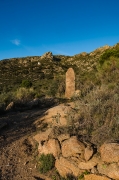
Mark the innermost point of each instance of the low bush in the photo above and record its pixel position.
(46, 163)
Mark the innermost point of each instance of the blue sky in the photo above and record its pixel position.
(33, 27)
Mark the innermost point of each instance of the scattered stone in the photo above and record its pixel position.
(89, 164)
(110, 170)
(50, 147)
(63, 137)
(88, 152)
(42, 136)
(73, 147)
(65, 166)
(110, 152)
(10, 106)
(70, 83)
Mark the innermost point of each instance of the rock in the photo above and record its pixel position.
(65, 166)
(10, 106)
(110, 152)
(70, 83)
(57, 115)
(47, 55)
(42, 136)
(63, 137)
(72, 147)
(33, 103)
(110, 170)
(89, 164)
(95, 177)
(50, 147)
(94, 170)
(88, 152)
(77, 93)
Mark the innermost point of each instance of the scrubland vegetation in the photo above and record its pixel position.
(97, 77)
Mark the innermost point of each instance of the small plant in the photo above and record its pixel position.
(46, 163)
(82, 175)
(26, 83)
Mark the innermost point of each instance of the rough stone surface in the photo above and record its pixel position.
(72, 147)
(89, 164)
(65, 167)
(42, 136)
(50, 147)
(63, 137)
(57, 115)
(110, 170)
(47, 55)
(10, 106)
(95, 177)
(88, 152)
(70, 83)
(110, 152)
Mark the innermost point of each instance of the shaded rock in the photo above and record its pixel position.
(110, 152)
(110, 170)
(50, 147)
(88, 152)
(70, 83)
(33, 103)
(63, 137)
(73, 147)
(10, 106)
(65, 166)
(95, 177)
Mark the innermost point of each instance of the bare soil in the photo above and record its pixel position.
(17, 152)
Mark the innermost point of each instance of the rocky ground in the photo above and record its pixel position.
(17, 153)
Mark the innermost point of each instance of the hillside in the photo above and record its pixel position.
(47, 73)
(91, 117)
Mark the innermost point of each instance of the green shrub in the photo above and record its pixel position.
(46, 163)
(26, 84)
(25, 94)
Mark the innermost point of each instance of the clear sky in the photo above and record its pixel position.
(68, 27)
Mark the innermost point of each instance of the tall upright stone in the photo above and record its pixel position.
(70, 83)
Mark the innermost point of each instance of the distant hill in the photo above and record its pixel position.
(47, 73)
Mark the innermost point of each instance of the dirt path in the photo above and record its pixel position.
(16, 152)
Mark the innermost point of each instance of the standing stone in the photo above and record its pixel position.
(70, 83)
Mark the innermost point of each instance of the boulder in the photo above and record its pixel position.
(110, 170)
(50, 147)
(57, 115)
(42, 136)
(63, 137)
(110, 152)
(10, 106)
(88, 152)
(70, 83)
(95, 177)
(89, 164)
(65, 166)
(72, 147)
